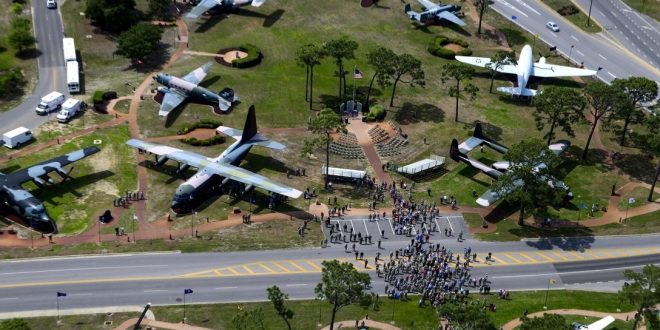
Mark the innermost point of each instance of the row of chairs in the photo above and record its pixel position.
(347, 139)
(345, 151)
(378, 134)
(392, 147)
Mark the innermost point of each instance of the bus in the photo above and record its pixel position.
(72, 77)
(69, 48)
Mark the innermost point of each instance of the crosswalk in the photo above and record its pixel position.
(513, 258)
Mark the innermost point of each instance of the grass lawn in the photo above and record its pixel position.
(640, 194)
(9, 58)
(404, 314)
(648, 7)
(269, 235)
(579, 19)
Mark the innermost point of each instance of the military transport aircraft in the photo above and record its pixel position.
(459, 154)
(206, 5)
(213, 173)
(526, 69)
(25, 204)
(434, 11)
(177, 90)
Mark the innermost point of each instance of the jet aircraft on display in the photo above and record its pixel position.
(598, 325)
(459, 154)
(214, 173)
(434, 11)
(23, 202)
(206, 5)
(526, 69)
(177, 90)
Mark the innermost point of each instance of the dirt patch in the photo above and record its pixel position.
(453, 47)
(231, 56)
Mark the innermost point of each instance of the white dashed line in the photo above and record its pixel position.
(603, 57)
(579, 52)
(147, 291)
(574, 38)
(226, 287)
(610, 73)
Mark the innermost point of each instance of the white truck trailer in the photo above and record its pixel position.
(72, 77)
(16, 137)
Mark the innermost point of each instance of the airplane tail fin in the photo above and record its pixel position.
(454, 153)
(413, 15)
(407, 8)
(479, 134)
(517, 91)
(257, 3)
(250, 128)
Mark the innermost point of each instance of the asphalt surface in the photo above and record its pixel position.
(594, 50)
(48, 31)
(636, 32)
(133, 279)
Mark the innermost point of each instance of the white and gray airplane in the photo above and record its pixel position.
(598, 325)
(525, 69)
(206, 5)
(434, 11)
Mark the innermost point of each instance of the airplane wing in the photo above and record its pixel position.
(224, 170)
(427, 4)
(547, 70)
(446, 15)
(488, 198)
(202, 7)
(559, 146)
(484, 61)
(171, 100)
(197, 75)
(601, 324)
(257, 3)
(56, 164)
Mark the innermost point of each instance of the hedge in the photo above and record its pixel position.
(200, 124)
(376, 112)
(216, 139)
(98, 97)
(436, 47)
(253, 57)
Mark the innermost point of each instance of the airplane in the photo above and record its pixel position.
(435, 11)
(526, 69)
(598, 325)
(206, 5)
(23, 202)
(214, 173)
(459, 154)
(177, 90)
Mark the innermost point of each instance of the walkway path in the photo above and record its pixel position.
(361, 131)
(146, 324)
(350, 324)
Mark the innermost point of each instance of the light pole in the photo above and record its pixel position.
(589, 18)
(545, 303)
(655, 180)
(569, 53)
(192, 223)
(135, 219)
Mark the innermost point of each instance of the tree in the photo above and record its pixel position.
(526, 183)
(309, 55)
(545, 322)
(112, 15)
(16, 8)
(638, 90)
(558, 106)
(251, 319)
(458, 72)
(465, 316)
(160, 8)
(341, 285)
(14, 324)
(11, 80)
(20, 34)
(604, 100)
(340, 49)
(642, 289)
(499, 60)
(277, 297)
(406, 65)
(139, 41)
(481, 6)
(383, 60)
(323, 125)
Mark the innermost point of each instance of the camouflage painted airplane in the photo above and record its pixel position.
(206, 5)
(213, 173)
(25, 204)
(434, 11)
(459, 154)
(177, 90)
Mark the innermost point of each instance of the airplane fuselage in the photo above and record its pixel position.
(25, 205)
(525, 67)
(176, 84)
(198, 187)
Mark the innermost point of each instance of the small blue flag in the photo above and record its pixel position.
(583, 205)
(514, 17)
(187, 291)
(61, 294)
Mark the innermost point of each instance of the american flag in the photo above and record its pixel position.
(358, 74)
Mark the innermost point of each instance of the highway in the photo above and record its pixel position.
(594, 50)
(160, 278)
(47, 24)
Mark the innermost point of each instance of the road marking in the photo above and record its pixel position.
(217, 272)
(233, 271)
(379, 230)
(311, 263)
(559, 255)
(574, 38)
(390, 222)
(544, 256)
(278, 265)
(579, 52)
(512, 7)
(450, 226)
(571, 272)
(81, 269)
(266, 268)
(296, 266)
(603, 57)
(80, 294)
(437, 225)
(534, 261)
(226, 287)
(499, 261)
(528, 7)
(610, 73)
(513, 258)
(155, 290)
(353, 227)
(247, 269)
(576, 255)
(364, 222)
(298, 284)
(10, 298)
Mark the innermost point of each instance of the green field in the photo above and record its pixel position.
(639, 194)
(648, 7)
(579, 19)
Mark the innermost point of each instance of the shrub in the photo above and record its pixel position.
(200, 124)
(10, 81)
(568, 10)
(253, 57)
(98, 97)
(436, 47)
(376, 112)
(217, 139)
(464, 52)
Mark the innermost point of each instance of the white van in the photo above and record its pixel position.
(16, 137)
(69, 109)
(50, 103)
(51, 4)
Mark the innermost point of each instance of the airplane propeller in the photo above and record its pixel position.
(65, 175)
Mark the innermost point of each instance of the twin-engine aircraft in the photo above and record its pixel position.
(213, 173)
(526, 69)
(459, 154)
(206, 5)
(25, 204)
(434, 11)
(177, 90)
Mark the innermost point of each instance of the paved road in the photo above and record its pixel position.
(121, 280)
(52, 73)
(594, 50)
(638, 33)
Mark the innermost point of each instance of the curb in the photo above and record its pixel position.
(81, 256)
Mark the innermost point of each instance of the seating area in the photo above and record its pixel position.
(346, 146)
(378, 134)
(392, 147)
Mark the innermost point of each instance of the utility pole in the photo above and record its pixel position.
(655, 180)
(589, 18)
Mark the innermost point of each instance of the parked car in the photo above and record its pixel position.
(51, 4)
(552, 26)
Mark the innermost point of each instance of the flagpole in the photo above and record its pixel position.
(354, 68)
(184, 307)
(58, 307)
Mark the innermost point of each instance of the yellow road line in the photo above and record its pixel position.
(559, 255)
(532, 260)
(544, 256)
(311, 263)
(575, 254)
(592, 255)
(512, 258)
(266, 268)
(499, 261)
(278, 265)
(217, 272)
(296, 265)
(247, 269)
(608, 254)
(233, 271)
